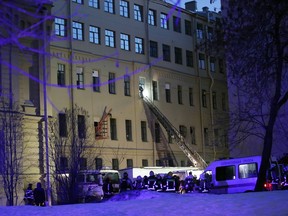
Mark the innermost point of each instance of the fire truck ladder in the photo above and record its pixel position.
(102, 127)
(192, 155)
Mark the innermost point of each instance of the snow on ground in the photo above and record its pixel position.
(166, 203)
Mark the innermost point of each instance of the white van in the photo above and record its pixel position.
(90, 186)
(113, 177)
(231, 175)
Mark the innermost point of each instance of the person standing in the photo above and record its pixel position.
(39, 195)
(29, 197)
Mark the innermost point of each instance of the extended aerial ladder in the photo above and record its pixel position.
(192, 155)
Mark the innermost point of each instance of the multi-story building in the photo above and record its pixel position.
(112, 58)
(106, 50)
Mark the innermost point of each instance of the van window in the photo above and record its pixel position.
(80, 178)
(92, 178)
(225, 173)
(248, 170)
(113, 177)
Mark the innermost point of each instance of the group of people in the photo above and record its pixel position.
(36, 196)
(168, 182)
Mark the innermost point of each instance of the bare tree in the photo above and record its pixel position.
(70, 138)
(11, 149)
(256, 55)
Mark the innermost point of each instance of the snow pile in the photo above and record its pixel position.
(135, 195)
(138, 203)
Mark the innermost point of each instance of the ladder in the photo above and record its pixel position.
(102, 127)
(192, 155)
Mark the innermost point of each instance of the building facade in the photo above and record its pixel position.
(105, 56)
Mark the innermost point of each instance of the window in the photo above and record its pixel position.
(128, 126)
(93, 3)
(78, 1)
(168, 92)
(139, 46)
(81, 127)
(157, 133)
(98, 163)
(248, 170)
(109, 38)
(216, 137)
(153, 49)
(177, 24)
(115, 164)
(94, 34)
(112, 84)
(212, 64)
(109, 6)
(129, 163)
(143, 131)
(155, 90)
(144, 162)
(179, 91)
(124, 8)
(62, 125)
(204, 98)
(189, 58)
(124, 41)
(183, 130)
(206, 137)
(178, 55)
(223, 99)
(210, 33)
(113, 129)
(193, 135)
(152, 17)
(80, 78)
(77, 30)
(164, 21)
(191, 98)
(159, 163)
(61, 75)
(225, 173)
(2, 152)
(83, 163)
(138, 12)
(199, 31)
(63, 164)
(61, 27)
(221, 66)
(127, 85)
(166, 52)
(201, 61)
(188, 27)
(169, 136)
(214, 100)
(96, 81)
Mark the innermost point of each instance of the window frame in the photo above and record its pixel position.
(78, 31)
(125, 41)
(109, 6)
(124, 9)
(139, 45)
(138, 12)
(110, 38)
(112, 83)
(60, 26)
(94, 34)
(164, 21)
(61, 74)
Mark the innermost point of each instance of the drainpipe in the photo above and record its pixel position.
(146, 3)
(45, 107)
(211, 104)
